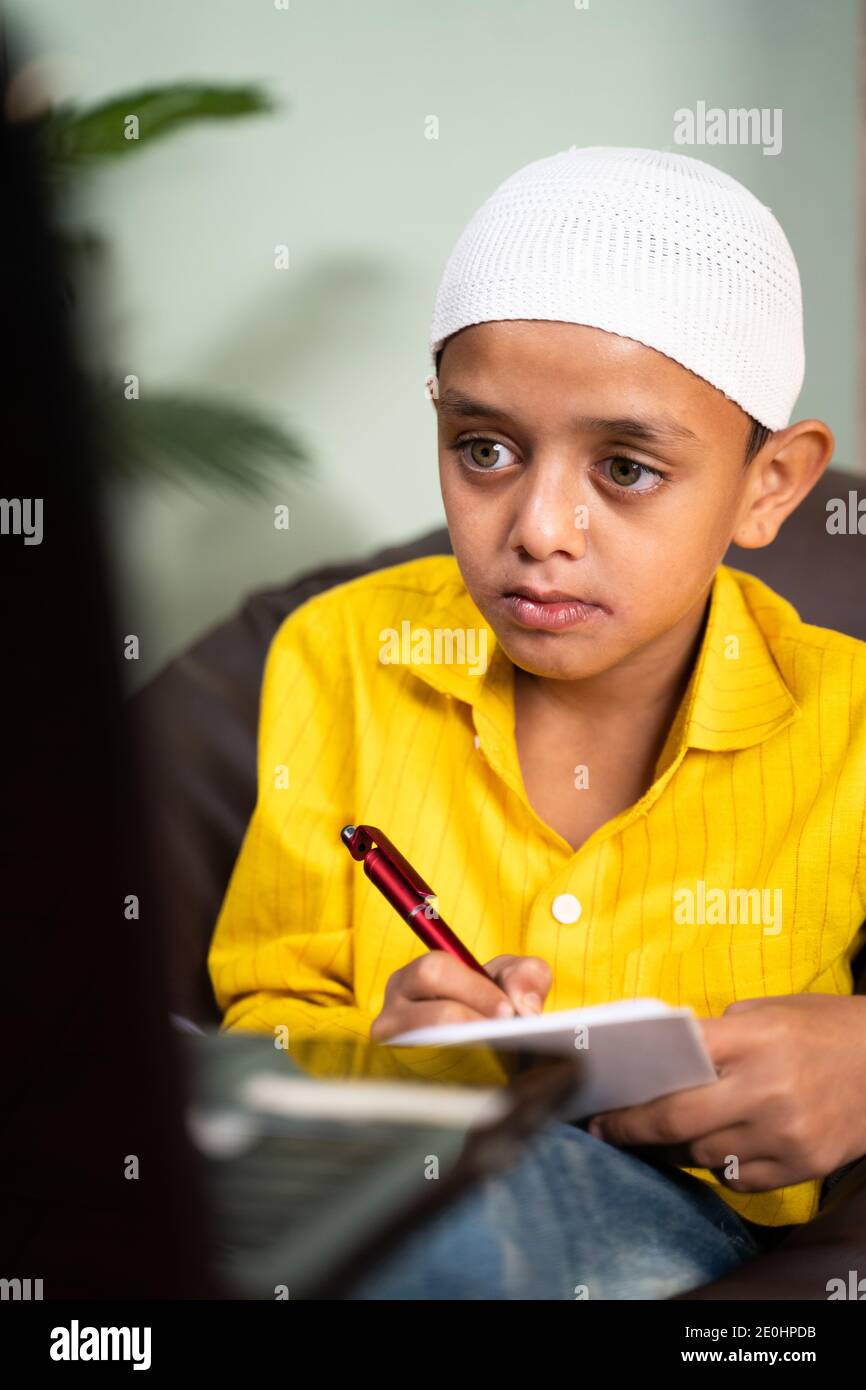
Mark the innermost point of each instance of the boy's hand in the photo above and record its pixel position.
(788, 1104)
(438, 988)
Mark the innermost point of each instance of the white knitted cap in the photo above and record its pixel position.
(653, 246)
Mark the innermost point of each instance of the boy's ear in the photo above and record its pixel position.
(782, 473)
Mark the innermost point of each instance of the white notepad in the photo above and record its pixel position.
(632, 1051)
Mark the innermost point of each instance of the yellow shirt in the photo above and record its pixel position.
(741, 872)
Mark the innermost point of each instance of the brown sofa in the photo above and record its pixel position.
(197, 720)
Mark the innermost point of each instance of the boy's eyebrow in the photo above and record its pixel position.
(655, 430)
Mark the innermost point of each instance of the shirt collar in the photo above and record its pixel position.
(736, 696)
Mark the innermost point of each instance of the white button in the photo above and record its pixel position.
(477, 741)
(566, 908)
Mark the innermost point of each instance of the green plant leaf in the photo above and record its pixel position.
(189, 439)
(71, 137)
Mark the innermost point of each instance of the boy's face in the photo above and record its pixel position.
(556, 493)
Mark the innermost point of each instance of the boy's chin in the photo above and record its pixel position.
(553, 656)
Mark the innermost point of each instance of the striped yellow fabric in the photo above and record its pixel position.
(740, 873)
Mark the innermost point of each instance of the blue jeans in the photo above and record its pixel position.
(573, 1218)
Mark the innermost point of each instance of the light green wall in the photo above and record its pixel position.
(370, 209)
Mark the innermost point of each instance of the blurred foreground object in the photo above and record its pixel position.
(97, 1186)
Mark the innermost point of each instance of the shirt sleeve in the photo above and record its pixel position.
(281, 958)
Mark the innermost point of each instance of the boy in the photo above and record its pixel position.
(640, 774)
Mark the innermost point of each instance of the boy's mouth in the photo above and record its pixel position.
(552, 609)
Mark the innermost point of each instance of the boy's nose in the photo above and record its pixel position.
(552, 515)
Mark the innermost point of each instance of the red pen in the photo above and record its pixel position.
(405, 890)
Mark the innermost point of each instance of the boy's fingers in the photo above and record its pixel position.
(730, 1036)
(525, 979)
(439, 975)
(678, 1118)
(402, 1019)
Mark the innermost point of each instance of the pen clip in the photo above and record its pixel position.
(367, 837)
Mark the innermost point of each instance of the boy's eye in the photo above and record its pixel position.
(627, 474)
(484, 454)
